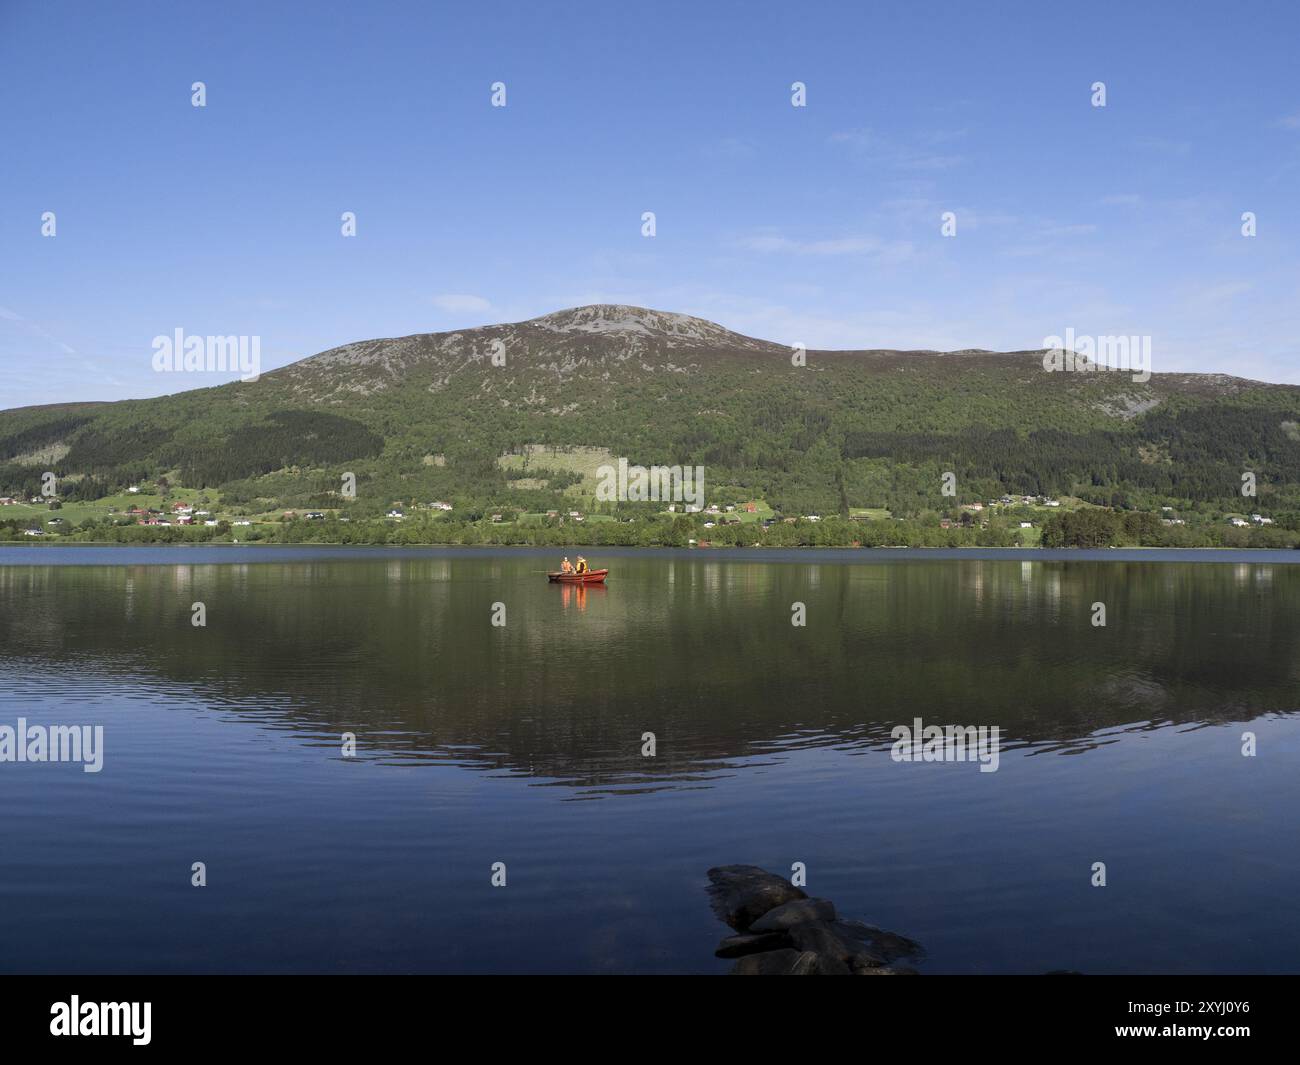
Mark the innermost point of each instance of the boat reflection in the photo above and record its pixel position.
(695, 650)
(576, 594)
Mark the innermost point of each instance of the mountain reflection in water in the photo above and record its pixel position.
(522, 744)
(701, 652)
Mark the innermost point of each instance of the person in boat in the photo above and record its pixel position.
(566, 566)
(582, 565)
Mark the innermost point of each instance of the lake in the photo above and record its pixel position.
(522, 743)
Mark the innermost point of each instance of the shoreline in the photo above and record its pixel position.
(1219, 555)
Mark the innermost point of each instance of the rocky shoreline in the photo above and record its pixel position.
(781, 931)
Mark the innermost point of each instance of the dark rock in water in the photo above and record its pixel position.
(892, 946)
(788, 963)
(741, 894)
(855, 930)
(785, 933)
(833, 966)
(811, 963)
(818, 937)
(800, 911)
(872, 940)
(864, 959)
(739, 946)
(769, 963)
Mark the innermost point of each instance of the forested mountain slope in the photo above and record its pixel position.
(428, 416)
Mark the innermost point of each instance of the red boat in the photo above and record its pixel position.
(592, 576)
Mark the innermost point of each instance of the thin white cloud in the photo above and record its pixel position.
(928, 213)
(888, 251)
(1164, 145)
(458, 303)
(35, 329)
(1222, 292)
(731, 148)
(882, 152)
(1069, 230)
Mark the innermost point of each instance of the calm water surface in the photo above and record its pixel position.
(522, 744)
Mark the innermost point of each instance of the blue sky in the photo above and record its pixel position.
(817, 225)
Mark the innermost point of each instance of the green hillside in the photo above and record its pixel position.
(436, 417)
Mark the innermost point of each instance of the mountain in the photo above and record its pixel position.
(438, 415)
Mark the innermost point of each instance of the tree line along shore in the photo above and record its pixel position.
(1085, 528)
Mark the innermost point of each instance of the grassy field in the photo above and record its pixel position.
(39, 514)
(539, 518)
(761, 512)
(584, 461)
(75, 512)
